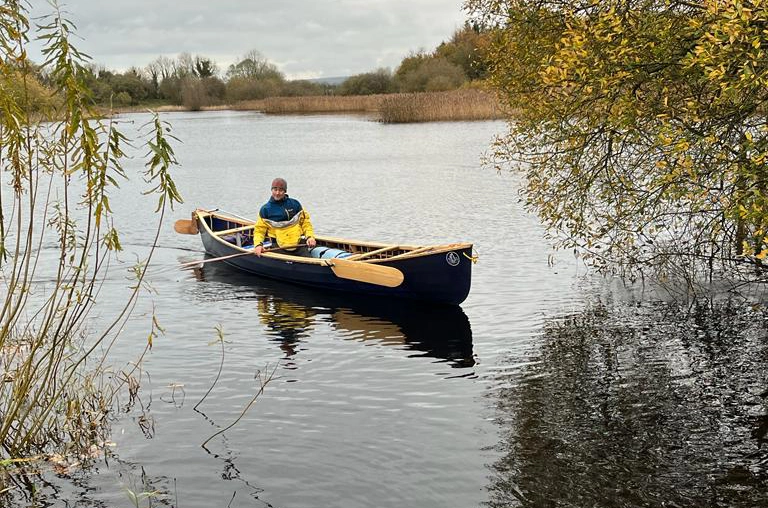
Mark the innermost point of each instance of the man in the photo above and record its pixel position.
(283, 219)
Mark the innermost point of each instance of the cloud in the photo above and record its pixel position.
(302, 37)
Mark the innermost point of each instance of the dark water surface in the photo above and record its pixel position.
(548, 387)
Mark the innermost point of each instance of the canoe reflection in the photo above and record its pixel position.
(290, 313)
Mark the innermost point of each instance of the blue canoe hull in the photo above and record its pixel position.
(441, 275)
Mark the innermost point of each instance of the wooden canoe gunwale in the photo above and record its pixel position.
(360, 249)
(438, 274)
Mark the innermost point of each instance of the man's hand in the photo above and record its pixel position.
(311, 242)
(258, 250)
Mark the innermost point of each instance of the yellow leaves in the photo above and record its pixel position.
(716, 73)
(743, 212)
(759, 159)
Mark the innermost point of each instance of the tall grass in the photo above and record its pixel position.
(314, 104)
(60, 165)
(465, 104)
(456, 105)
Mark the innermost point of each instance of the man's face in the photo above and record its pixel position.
(278, 193)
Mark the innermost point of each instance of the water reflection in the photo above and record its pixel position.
(290, 314)
(646, 405)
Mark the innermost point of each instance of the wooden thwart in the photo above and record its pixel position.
(234, 230)
(363, 255)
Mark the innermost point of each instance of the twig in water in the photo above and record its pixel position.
(265, 378)
(220, 333)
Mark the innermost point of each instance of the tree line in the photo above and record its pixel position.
(195, 81)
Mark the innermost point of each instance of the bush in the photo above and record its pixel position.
(429, 74)
(215, 90)
(16, 86)
(170, 89)
(193, 94)
(122, 99)
(243, 89)
(370, 83)
(135, 86)
(303, 88)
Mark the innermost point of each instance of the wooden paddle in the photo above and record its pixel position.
(185, 226)
(366, 272)
(194, 264)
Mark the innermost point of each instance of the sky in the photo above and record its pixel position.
(304, 38)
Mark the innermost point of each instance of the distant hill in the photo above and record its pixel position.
(329, 81)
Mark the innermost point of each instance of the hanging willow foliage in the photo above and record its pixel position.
(56, 393)
(641, 128)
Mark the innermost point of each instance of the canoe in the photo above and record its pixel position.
(437, 273)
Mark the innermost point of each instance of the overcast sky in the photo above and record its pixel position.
(304, 38)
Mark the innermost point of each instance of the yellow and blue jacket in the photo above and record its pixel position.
(285, 221)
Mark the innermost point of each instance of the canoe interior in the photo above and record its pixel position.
(222, 226)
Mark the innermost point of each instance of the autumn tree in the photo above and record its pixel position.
(640, 125)
(466, 49)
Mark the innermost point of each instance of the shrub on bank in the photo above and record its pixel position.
(369, 83)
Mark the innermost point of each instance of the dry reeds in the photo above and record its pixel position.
(313, 104)
(456, 105)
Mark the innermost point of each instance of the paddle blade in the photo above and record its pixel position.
(366, 272)
(185, 227)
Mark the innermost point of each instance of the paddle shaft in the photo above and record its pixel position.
(192, 264)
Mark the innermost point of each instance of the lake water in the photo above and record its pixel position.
(548, 387)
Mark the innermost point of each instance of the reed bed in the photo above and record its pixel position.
(314, 104)
(456, 105)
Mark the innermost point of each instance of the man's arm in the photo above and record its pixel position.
(259, 233)
(307, 230)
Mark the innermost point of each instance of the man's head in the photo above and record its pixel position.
(279, 183)
(279, 188)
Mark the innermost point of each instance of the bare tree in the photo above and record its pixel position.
(254, 66)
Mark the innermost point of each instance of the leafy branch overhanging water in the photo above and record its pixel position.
(641, 129)
(59, 164)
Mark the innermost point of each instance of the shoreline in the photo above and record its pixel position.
(456, 105)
